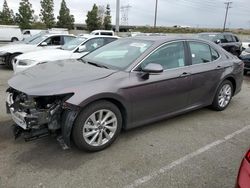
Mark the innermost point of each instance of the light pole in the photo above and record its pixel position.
(225, 21)
(156, 7)
(117, 15)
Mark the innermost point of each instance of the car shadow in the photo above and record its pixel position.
(46, 153)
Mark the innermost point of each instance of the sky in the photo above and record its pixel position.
(194, 13)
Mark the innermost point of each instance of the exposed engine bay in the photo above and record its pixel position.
(37, 116)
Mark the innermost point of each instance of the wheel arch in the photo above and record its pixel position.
(116, 100)
(233, 81)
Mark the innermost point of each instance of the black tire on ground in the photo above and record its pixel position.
(14, 39)
(245, 72)
(77, 132)
(9, 60)
(215, 105)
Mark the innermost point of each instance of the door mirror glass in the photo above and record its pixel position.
(82, 48)
(153, 68)
(44, 44)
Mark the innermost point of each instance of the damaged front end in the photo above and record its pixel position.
(39, 116)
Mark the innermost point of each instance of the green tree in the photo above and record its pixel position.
(107, 19)
(93, 21)
(25, 16)
(7, 15)
(65, 19)
(47, 13)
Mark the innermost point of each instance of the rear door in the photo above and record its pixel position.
(206, 71)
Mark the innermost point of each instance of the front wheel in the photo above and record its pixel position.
(223, 96)
(97, 126)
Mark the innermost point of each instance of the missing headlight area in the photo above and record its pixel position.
(36, 116)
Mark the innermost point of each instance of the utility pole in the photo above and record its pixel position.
(117, 15)
(156, 7)
(227, 7)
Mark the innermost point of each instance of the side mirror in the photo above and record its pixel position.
(82, 49)
(153, 68)
(44, 44)
(218, 41)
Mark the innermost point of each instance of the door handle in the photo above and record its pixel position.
(184, 74)
(218, 67)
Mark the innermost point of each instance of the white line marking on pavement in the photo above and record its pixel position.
(187, 157)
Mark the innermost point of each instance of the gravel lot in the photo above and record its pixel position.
(199, 149)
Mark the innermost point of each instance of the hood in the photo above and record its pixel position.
(12, 48)
(55, 78)
(46, 55)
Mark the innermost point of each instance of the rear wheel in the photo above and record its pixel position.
(245, 72)
(97, 126)
(14, 39)
(223, 96)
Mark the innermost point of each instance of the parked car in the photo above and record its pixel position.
(243, 179)
(228, 41)
(9, 52)
(74, 49)
(246, 44)
(245, 57)
(31, 32)
(10, 33)
(103, 32)
(127, 83)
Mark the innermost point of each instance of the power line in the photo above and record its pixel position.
(227, 7)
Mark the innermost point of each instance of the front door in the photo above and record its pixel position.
(162, 93)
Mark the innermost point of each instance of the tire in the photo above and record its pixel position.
(14, 39)
(9, 60)
(101, 135)
(218, 103)
(245, 72)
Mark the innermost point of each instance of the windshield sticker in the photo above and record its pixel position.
(138, 45)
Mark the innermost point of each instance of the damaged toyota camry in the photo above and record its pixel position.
(128, 83)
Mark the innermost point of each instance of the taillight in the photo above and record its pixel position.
(248, 156)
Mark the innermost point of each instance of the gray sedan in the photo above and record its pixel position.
(128, 83)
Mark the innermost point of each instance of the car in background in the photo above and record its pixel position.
(243, 179)
(122, 85)
(245, 57)
(74, 49)
(10, 33)
(103, 32)
(228, 41)
(245, 44)
(31, 32)
(50, 41)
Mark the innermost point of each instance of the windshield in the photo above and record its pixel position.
(38, 40)
(71, 45)
(31, 38)
(119, 54)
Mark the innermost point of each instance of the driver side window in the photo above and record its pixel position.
(169, 56)
(93, 44)
(53, 41)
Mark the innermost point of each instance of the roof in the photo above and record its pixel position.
(58, 34)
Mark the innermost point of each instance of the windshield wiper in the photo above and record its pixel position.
(97, 65)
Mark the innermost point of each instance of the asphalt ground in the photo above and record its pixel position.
(200, 149)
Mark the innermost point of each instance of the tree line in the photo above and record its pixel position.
(98, 18)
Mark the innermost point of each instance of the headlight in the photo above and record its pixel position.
(27, 62)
